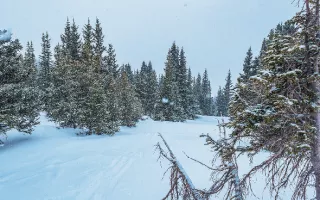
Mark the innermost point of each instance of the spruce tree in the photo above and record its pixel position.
(18, 95)
(151, 90)
(129, 105)
(87, 46)
(129, 72)
(247, 66)
(45, 68)
(227, 94)
(111, 63)
(192, 103)
(206, 105)
(66, 40)
(197, 92)
(29, 62)
(182, 83)
(99, 48)
(75, 42)
(220, 102)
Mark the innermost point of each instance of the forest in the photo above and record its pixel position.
(273, 107)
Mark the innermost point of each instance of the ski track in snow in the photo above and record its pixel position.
(55, 164)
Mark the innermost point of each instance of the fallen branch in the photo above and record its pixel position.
(180, 183)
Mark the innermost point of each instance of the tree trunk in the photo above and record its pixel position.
(316, 145)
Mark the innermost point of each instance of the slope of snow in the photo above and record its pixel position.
(55, 164)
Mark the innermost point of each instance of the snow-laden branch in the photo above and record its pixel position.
(5, 35)
(180, 182)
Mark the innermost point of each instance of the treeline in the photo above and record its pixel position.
(81, 85)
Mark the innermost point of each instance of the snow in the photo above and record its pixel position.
(56, 164)
(165, 100)
(5, 36)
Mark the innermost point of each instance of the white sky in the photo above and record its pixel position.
(214, 33)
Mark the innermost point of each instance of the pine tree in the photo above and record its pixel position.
(169, 107)
(192, 103)
(127, 68)
(206, 105)
(66, 40)
(45, 68)
(75, 42)
(227, 94)
(87, 47)
(247, 66)
(129, 105)
(182, 83)
(197, 92)
(151, 90)
(113, 103)
(98, 46)
(111, 63)
(18, 95)
(29, 62)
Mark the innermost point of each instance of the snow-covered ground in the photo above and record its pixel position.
(55, 164)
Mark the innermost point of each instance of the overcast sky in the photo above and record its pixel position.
(214, 33)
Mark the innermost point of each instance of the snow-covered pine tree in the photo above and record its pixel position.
(111, 63)
(182, 83)
(19, 103)
(66, 40)
(75, 42)
(197, 90)
(282, 116)
(220, 102)
(29, 63)
(129, 105)
(129, 72)
(113, 102)
(164, 109)
(192, 103)
(45, 69)
(142, 84)
(227, 95)
(92, 103)
(206, 103)
(247, 66)
(170, 107)
(99, 48)
(87, 46)
(152, 94)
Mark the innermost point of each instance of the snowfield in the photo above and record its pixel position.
(55, 164)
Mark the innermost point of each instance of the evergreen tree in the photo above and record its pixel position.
(66, 40)
(45, 68)
(192, 103)
(98, 46)
(18, 95)
(87, 47)
(170, 106)
(129, 105)
(182, 83)
(247, 66)
(127, 68)
(29, 63)
(220, 103)
(75, 42)
(151, 90)
(147, 88)
(227, 94)
(206, 105)
(113, 102)
(111, 63)
(197, 92)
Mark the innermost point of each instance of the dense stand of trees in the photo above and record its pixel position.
(81, 85)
